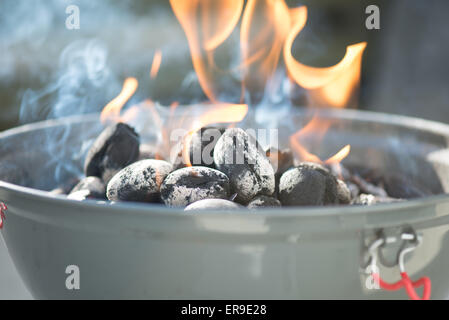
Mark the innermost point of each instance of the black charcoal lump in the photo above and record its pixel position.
(281, 160)
(201, 148)
(188, 185)
(94, 185)
(239, 156)
(343, 193)
(115, 148)
(139, 182)
(264, 202)
(213, 204)
(309, 184)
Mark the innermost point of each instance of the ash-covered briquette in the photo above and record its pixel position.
(309, 184)
(188, 185)
(139, 182)
(239, 156)
(81, 195)
(115, 148)
(210, 204)
(343, 193)
(370, 200)
(201, 148)
(94, 185)
(264, 202)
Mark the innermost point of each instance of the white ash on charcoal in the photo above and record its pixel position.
(81, 195)
(264, 202)
(343, 193)
(201, 148)
(95, 186)
(139, 182)
(353, 189)
(115, 148)
(203, 145)
(370, 200)
(239, 156)
(309, 184)
(188, 185)
(213, 204)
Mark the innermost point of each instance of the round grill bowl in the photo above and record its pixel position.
(138, 251)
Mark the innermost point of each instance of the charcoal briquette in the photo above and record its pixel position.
(139, 182)
(264, 202)
(309, 184)
(81, 195)
(201, 148)
(239, 156)
(94, 185)
(211, 204)
(115, 148)
(188, 185)
(343, 193)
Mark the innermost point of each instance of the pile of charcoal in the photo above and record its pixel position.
(231, 172)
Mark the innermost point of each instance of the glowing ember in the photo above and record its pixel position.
(112, 110)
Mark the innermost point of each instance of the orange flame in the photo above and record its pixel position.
(316, 128)
(265, 25)
(333, 86)
(268, 30)
(157, 60)
(222, 113)
(207, 24)
(111, 111)
(339, 156)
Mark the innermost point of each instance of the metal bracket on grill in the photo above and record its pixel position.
(408, 241)
(390, 246)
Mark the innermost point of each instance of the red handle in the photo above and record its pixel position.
(3, 209)
(408, 285)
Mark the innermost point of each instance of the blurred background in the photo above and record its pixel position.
(48, 71)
